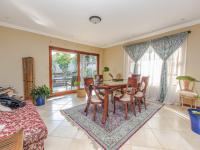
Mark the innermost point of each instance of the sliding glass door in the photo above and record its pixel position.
(69, 67)
(88, 66)
(64, 71)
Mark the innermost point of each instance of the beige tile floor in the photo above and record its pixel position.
(168, 129)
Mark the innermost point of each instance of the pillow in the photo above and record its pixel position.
(4, 108)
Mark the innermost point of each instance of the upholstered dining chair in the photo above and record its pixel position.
(136, 76)
(94, 100)
(99, 78)
(140, 96)
(12, 142)
(127, 97)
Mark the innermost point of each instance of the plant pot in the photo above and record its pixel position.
(195, 120)
(40, 101)
(81, 93)
(106, 76)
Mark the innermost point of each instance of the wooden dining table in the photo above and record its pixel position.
(109, 86)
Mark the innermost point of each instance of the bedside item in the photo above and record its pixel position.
(11, 102)
(12, 142)
(28, 119)
(2, 126)
(4, 108)
(195, 120)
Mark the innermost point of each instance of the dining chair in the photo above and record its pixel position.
(187, 90)
(94, 100)
(136, 76)
(99, 78)
(12, 142)
(140, 95)
(127, 97)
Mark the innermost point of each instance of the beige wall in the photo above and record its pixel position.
(113, 56)
(15, 44)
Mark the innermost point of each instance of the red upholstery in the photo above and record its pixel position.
(28, 119)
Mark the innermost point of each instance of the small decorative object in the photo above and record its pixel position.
(106, 74)
(195, 120)
(80, 91)
(39, 94)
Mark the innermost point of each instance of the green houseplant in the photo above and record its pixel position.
(80, 91)
(106, 69)
(39, 94)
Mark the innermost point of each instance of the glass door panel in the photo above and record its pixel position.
(64, 71)
(88, 67)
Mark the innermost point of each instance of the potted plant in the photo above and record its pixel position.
(80, 91)
(39, 94)
(106, 75)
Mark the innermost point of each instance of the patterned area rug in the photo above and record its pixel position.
(117, 130)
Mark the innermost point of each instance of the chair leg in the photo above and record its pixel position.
(114, 106)
(126, 110)
(133, 107)
(95, 108)
(139, 104)
(86, 108)
(145, 106)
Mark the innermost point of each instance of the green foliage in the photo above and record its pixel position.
(63, 60)
(185, 78)
(40, 91)
(77, 83)
(106, 69)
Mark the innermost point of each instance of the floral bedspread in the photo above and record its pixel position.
(28, 119)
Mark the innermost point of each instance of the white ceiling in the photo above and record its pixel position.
(121, 19)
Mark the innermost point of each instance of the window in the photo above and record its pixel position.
(151, 64)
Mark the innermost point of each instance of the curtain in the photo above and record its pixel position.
(150, 65)
(176, 67)
(136, 51)
(165, 47)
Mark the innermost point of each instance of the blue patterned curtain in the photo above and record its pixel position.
(165, 47)
(136, 51)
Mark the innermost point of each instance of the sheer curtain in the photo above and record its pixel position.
(149, 65)
(176, 66)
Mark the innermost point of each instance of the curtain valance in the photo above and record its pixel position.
(136, 51)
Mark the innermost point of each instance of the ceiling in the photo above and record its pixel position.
(122, 20)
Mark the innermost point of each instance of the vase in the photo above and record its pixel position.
(40, 101)
(106, 76)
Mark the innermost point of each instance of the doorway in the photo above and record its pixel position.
(68, 68)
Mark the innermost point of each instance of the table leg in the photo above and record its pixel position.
(105, 107)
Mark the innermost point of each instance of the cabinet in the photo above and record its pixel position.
(28, 76)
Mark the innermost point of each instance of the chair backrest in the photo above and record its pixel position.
(187, 85)
(132, 85)
(144, 84)
(88, 83)
(89, 86)
(99, 78)
(136, 76)
(12, 142)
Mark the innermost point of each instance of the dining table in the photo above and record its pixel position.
(109, 86)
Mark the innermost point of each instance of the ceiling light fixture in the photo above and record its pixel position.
(95, 19)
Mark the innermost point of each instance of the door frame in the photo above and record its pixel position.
(51, 48)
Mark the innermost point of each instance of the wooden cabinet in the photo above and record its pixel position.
(28, 76)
